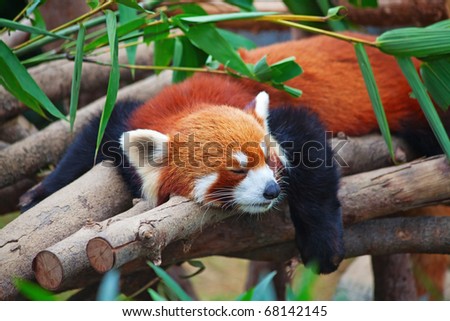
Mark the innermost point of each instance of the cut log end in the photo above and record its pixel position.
(48, 270)
(100, 254)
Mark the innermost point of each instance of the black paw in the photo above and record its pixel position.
(31, 197)
(322, 251)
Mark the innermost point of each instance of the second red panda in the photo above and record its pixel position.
(239, 144)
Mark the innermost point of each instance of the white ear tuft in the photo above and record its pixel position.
(262, 105)
(141, 145)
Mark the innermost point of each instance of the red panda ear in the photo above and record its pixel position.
(259, 107)
(144, 147)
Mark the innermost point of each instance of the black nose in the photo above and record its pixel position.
(271, 191)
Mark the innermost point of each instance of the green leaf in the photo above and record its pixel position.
(262, 70)
(285, 69)
(93, 3)
(20, 84)
(156, 32)
(418, 42)
(122, 30)
(294, 92)
(206, 37)
(307, 281)
(243, 4)
(155, 295)
(171, 284)
(109, 289)
(114, 77)
(225, 17)
(336, 13)
(163, 52)
(436, 76)
(32, 291)
(133, 4)
(127, 14)
(76, 78)
(197, 264)
(372, 89)
(33, 6)
(236, 40)
(246, 296)
(304, 7)
(186, 55)
(364, 3)
(192, 8)
(440, 25)
(17, 26)
(264, 290)
(425, 102)
(38, 22)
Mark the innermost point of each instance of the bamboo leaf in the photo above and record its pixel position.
(18, 82)
(155, 295)
(372, 89)
(170, 283)
(425, 102)
(156, 32)
(186, 55)
(76, 78)
(336, 13)
(133, 4)
(243, 4)
(114, 77)
(163, 53)
(109, 289)
(206, 37)
(18, 26)
(225, 17)
(127, 14)
(237, 41)
(33, 6)
(264, 290)
(32, 291)
(122, 30)
(436, 76)
(285, 69)
(417, 42)
(308, 279)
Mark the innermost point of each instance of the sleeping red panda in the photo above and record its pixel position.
(239, 144)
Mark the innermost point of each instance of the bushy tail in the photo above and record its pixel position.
(79, 158)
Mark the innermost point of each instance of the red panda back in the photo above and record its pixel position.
(332, 86)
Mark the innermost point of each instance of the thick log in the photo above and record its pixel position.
(395, 189)
(394, 278)
(54, 219)
(398, 13)
(94, 80)
(16, 129)
(363, 196)
(26, 157)
(67, 258)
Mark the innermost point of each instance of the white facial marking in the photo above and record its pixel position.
(136, 145)
(202, 185)
(241, 158)
(248, 195)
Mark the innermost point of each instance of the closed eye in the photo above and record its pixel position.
(240, 171)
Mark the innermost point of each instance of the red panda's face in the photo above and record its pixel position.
(216, 156)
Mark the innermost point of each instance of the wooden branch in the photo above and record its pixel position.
(393, 278)
(16, 129)
(369, 152)
(398, 13)
(94, 80)
(68, 258)
(395, 189)
(26, 157)
(54, 219)
(363, 196)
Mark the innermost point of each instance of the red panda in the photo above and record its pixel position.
(239, 144)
